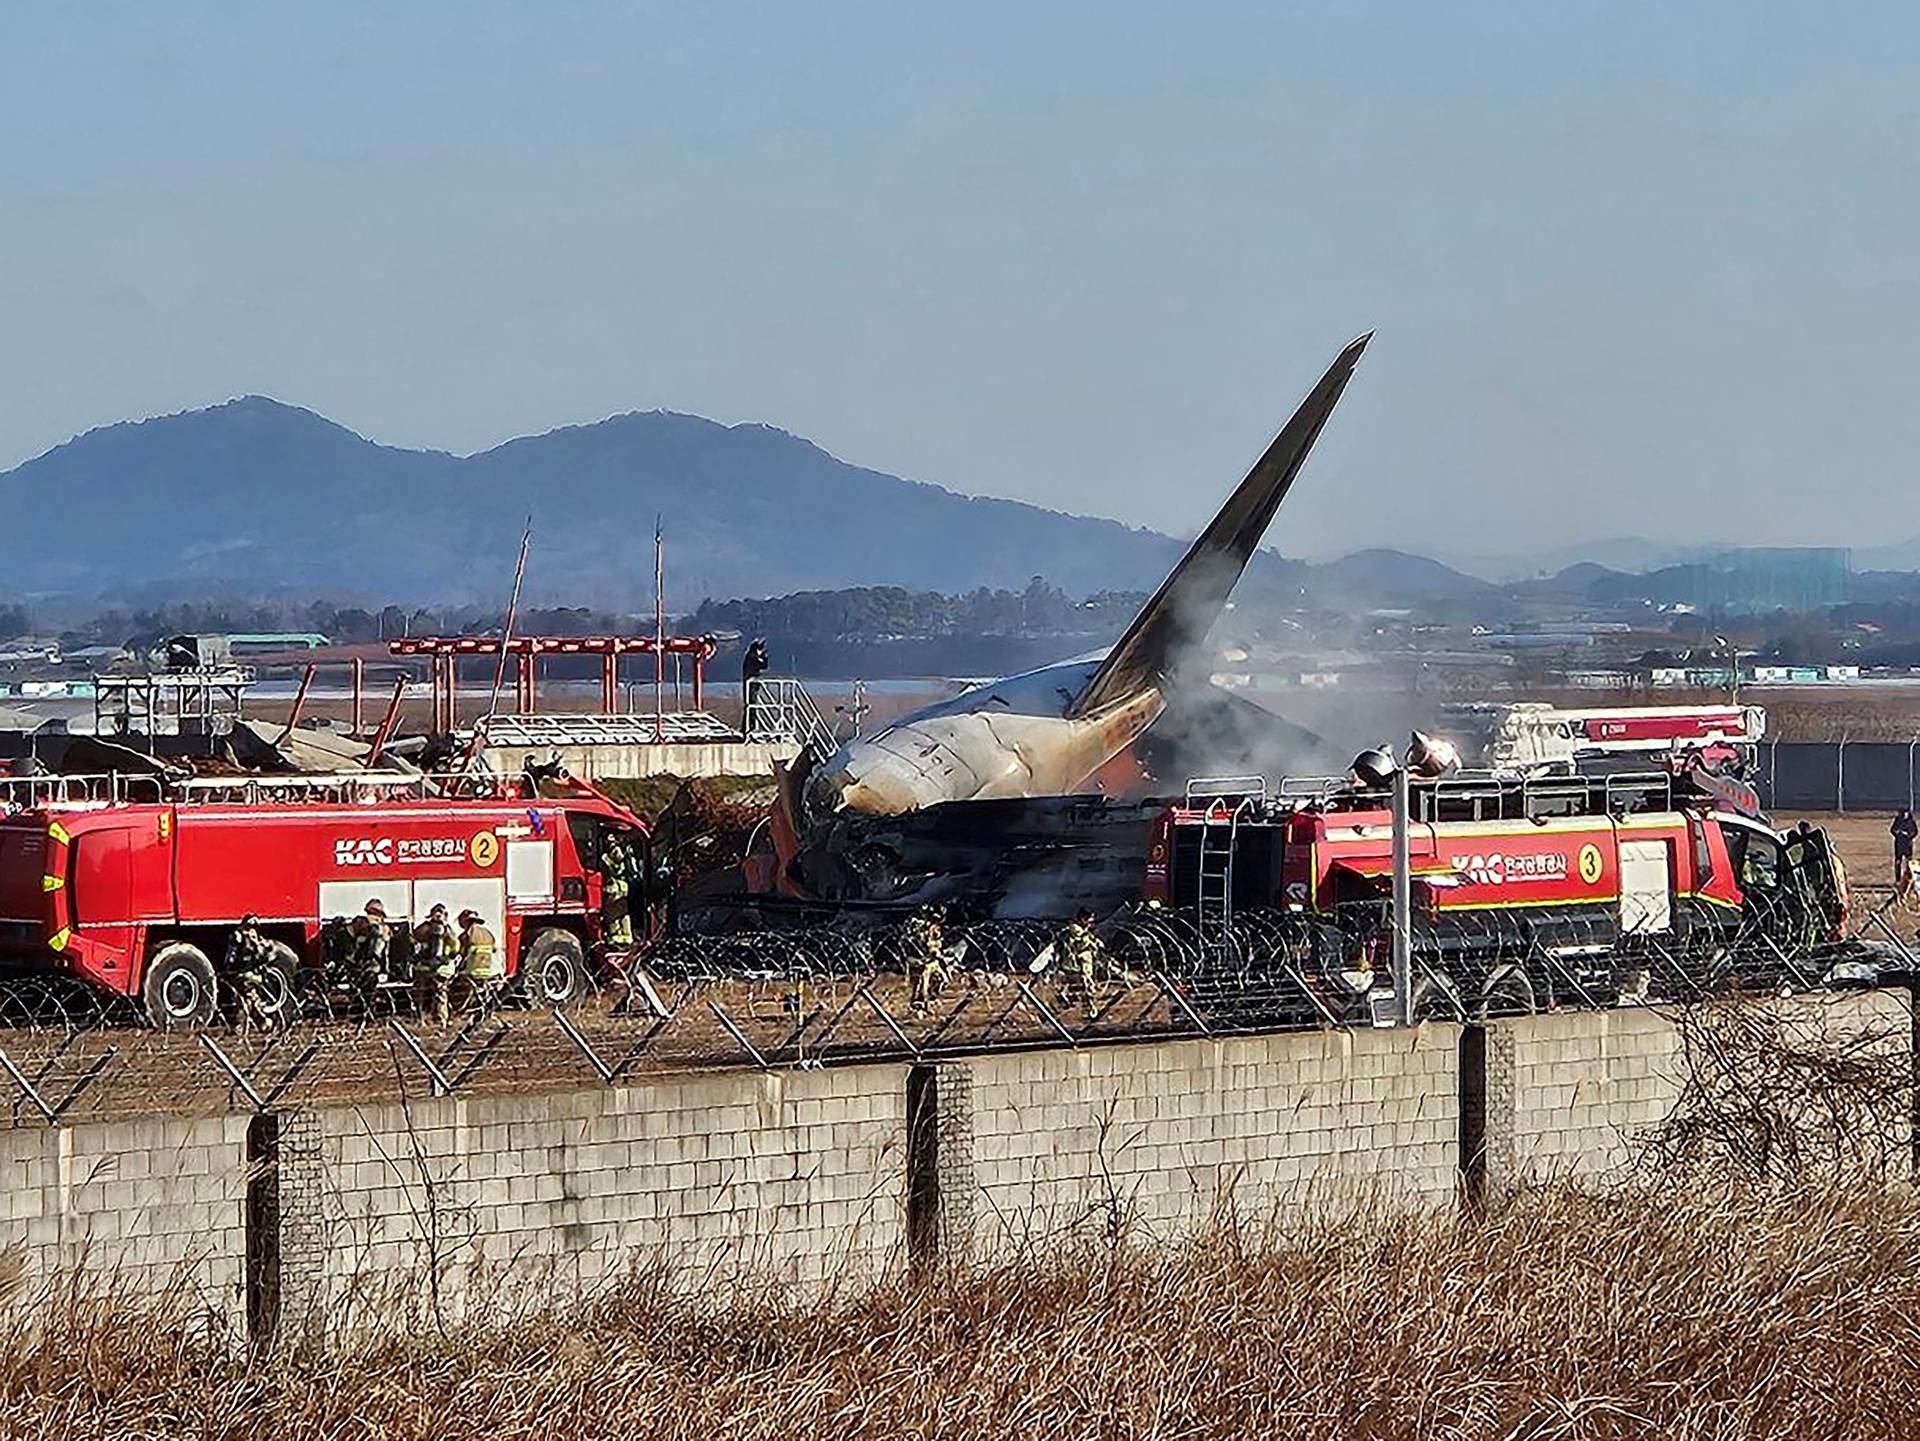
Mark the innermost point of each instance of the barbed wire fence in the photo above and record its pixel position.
(858, 989)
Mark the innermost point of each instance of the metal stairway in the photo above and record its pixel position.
(1225, 801)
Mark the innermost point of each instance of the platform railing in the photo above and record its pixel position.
(117, 788)
(779, 709)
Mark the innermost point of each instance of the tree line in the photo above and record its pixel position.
(854, 613)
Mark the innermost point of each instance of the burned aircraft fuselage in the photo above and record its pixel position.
(870, 820)
(1048, 731)
(1016, 737)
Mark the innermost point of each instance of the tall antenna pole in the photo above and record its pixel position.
(659, 632)
(506, 638)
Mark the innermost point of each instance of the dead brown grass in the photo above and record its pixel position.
(1560, 1315)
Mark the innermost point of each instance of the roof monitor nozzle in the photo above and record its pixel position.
(1431, 756)
(1373, 767)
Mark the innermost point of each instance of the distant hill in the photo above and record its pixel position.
(1391, 578)
(1623, 553)
(257, 493)
(258, 497)
(1898, 555)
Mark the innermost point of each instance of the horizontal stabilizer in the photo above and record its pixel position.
(1191, 599)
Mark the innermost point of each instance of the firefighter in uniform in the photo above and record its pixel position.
(1081, 949)
(925, 945)
(616, 887)
(249, 959)
(481, 962)
(436, 958)
(1903, 830)
(372, 948)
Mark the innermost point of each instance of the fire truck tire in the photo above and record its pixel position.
(180, 990)
(281, 996)
(553, 972)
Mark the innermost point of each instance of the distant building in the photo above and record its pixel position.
(1540, 640)
(251, 642)
(1696, 676)
(1599, 679)
(1765, 578)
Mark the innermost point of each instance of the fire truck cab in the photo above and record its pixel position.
(141, 897)
(1522, 888)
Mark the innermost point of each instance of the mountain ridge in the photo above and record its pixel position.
(257, 491)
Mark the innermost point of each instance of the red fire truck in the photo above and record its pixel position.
(1523, 889)
(140, 897)
(1533, 739)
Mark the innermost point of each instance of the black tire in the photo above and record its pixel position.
(180, 990)
(280, 995)
(553, 969)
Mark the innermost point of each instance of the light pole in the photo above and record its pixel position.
(1402, 897)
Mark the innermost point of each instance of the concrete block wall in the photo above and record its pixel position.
(1577, 1096)
(338, 1217)
(146, 1208)
(796, 1176)
(1154, 1139)
(1573, 1094)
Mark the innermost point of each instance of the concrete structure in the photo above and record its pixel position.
(1156, 1139)
(146, 1207)
(637, 762)
(284, 1226)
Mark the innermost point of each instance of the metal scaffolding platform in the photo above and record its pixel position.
(560, 731)
(446, 652)
(170, 700)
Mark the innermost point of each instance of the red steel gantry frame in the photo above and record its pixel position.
(446, 652)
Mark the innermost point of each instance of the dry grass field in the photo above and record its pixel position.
(1561, 1314)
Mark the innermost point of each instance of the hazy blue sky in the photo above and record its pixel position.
(1634, 268)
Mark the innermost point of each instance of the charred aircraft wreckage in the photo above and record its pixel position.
(988, 797)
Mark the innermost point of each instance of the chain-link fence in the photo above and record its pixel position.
(1838, 775)
(866, 989)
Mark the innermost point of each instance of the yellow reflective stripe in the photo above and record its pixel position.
(58, 832)
(58, 940)
(52, 883)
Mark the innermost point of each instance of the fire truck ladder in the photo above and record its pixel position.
(1223, 802)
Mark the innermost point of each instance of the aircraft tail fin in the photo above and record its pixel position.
(1192, 597)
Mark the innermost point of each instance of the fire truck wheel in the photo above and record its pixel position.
(280, 998)
(180, 989)
(554, 969)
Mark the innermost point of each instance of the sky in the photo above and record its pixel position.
(1633, 269)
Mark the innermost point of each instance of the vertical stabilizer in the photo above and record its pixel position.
(1192, 597)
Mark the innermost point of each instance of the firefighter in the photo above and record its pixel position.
(753, 665)
(436, 959)
(1080, 947)
(372, 947)
(924, 942)
(616, 886)
(337, 944)
(249, 960)
(481, 962)
(1903, 830)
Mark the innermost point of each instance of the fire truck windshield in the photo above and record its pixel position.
(1755, 857)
